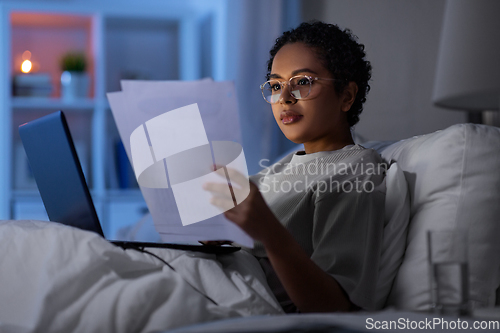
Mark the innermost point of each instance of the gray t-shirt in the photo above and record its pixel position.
(333, 205)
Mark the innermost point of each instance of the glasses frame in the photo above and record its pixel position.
(285, 82)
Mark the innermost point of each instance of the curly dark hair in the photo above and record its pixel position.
(340, 53)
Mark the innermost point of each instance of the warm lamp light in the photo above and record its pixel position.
(26, 55)
(26, 66)
(468, 67)
(30, 83)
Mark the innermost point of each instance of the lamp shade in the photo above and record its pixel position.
(468, 66)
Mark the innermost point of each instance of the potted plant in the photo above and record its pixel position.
(74, 79)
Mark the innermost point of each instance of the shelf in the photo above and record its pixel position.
(134, 43)
(45, 20)
(83, 104)
(48, 37)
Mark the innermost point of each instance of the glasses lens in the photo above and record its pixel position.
(300, 86)
(271, 91)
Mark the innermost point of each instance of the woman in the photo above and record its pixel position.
(316, 216)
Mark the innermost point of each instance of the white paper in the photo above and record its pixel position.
(174, 132)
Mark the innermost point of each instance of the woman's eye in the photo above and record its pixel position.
(275, 87)
(303, 82)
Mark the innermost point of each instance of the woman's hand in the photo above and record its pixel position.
(252, 214)
(309, 287)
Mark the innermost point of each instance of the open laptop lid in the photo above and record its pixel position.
(58, 173)
(61, 182)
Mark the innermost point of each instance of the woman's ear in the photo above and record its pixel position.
(349, 95)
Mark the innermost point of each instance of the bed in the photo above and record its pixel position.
(56, 278)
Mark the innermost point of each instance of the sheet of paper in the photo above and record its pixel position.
(173, 133)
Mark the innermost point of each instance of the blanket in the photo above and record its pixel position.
(56, 278)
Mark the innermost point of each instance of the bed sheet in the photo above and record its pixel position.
(56, 278)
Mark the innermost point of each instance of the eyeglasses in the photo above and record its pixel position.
(299, 87)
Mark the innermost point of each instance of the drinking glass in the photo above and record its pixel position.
(449, 273)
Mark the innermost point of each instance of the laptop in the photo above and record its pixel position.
(59, 176)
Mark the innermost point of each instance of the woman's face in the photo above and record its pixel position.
(318, 121)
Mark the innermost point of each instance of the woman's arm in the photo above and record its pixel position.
(308, 286)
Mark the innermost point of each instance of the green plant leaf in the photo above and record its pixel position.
(74, 62)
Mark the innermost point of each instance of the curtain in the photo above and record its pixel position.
(252, 28)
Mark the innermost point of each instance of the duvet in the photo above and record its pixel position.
(56, 278)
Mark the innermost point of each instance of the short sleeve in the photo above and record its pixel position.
(347, 239)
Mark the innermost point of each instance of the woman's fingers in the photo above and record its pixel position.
(237, 177)
(222, 203)
(222, 197)
(221, 189)
(216, 188)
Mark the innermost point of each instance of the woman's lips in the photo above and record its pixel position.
(288, 117)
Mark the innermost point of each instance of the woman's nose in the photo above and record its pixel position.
(286, 97)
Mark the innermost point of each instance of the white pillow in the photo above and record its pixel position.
(397, 216)
(454, 181)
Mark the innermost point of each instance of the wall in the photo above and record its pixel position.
(401, 39)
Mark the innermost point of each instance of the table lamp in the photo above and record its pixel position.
(468, 66)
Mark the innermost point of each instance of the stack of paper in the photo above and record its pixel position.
(175, 133)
